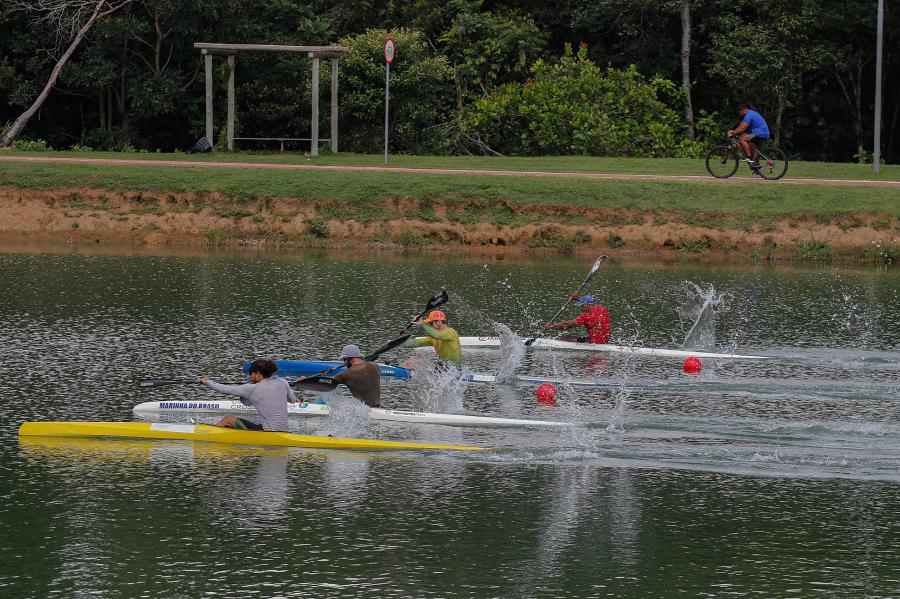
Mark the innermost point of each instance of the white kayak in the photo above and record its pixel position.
(315, 409)
(545, 343)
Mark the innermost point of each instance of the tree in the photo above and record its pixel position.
(761, 52)
(487, 49)
(421, 94)
(575, 107)
(686, 65)
(70, 19)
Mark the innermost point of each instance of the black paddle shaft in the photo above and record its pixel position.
(597, 264)
(438, 298)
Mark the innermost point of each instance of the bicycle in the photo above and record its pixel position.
(723, 161)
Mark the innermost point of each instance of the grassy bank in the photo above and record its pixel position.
(164, 204)
(574, 164)
(749, 197)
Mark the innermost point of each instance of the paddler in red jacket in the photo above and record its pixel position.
(593, 317)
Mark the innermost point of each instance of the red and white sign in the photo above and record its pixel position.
(389, 51)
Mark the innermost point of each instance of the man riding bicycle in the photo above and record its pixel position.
(749, 142)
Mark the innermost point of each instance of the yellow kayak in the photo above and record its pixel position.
(215, 434)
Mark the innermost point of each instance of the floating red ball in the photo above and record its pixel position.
(546, 394)
(692, 365)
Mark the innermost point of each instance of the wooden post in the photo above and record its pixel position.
(314, 143)
(334, 105)
(209, 98)
(230, 103)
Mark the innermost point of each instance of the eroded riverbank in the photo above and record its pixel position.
(155, 218)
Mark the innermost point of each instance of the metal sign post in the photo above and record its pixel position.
(879, 37)
(388, 60)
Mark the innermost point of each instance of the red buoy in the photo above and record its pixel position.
(546, 394)
(692, 365)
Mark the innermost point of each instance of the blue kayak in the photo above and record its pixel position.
(296, 368)
(291, 369)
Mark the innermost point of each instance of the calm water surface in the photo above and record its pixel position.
(778, 478)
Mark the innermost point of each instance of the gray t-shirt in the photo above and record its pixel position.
(270, 397)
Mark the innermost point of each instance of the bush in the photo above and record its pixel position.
(814, 250)
(551, 238)
(81, 148)
(422, 93)
(32, 145)
(318, 227)
(103, 140)
(575, 107)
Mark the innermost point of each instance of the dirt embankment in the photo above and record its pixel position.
(162, 218)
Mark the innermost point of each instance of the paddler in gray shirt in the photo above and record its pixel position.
(362, 378)
(269, 395)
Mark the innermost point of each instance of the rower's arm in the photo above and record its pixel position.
(445, 335)
(566, 324)
(242, 391)
(417, 342)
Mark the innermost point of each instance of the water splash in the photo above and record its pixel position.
(348, 417)
(617, 417)
(512, 350)
(699, 308)
(437, 388)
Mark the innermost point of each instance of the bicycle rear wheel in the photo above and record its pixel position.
(773, 164)
(722, 162)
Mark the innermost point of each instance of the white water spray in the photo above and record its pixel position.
(699, 308)
(347, 417)
(512, 350)
(438, 388)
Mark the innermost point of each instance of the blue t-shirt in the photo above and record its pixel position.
(756, 124)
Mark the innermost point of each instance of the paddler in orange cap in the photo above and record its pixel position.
(443, 338)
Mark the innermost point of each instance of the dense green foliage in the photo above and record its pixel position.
(470, 75)
(575, 107)
(421, 85)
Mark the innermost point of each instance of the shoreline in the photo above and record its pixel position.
(85, 215)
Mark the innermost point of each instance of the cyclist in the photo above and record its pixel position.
(749, 142)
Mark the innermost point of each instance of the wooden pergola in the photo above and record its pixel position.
(314, 52)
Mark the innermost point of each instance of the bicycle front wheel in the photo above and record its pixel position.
(773, 164)
(722, 162)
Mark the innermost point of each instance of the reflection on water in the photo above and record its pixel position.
(669, 485)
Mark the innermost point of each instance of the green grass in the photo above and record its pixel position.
(361, 188)
(575, 164)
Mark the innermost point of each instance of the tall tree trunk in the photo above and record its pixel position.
(893, 127)
(686, 65)
(779, 114)
(23, 119)
(101, 103)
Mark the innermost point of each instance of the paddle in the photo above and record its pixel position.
(438, 298)
(589, 276)
(149, 383)
(325, 384)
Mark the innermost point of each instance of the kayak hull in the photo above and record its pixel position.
(543, 343)
(216, 434)
(297, 368)
(313, 409)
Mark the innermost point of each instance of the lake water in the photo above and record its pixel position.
(775, 478)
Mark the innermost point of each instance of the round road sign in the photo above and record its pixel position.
(389, 51)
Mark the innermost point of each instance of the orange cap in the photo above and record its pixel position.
(436, 315)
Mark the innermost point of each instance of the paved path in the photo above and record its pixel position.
(445, 171)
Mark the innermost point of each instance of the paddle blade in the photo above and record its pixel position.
(596, 267)
(387, 347)
(149, 383)
(321, 384)
(438, 298)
